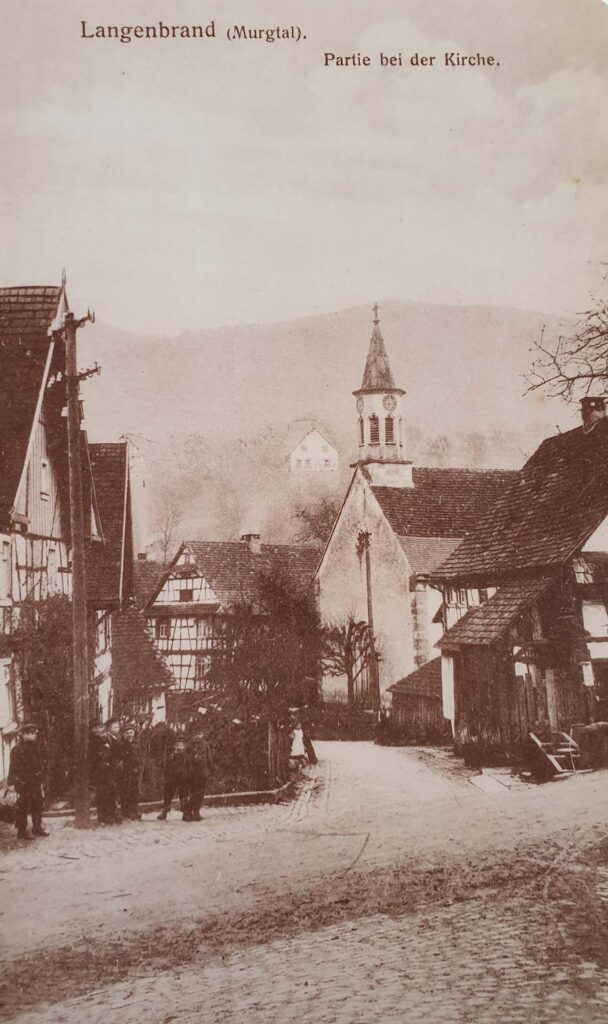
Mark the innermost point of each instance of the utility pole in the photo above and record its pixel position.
(79, 594)
(363, 541)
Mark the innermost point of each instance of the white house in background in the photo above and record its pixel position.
(397, 524)
(314, 453)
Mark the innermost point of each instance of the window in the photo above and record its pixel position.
(600, 676)
(103, 632)
(389, 430)
(307, 463)
(298, 463)
(201, 668)
(361, 431)
(5, 621)
(326, 463)
(5, 569)
(186, 594)
(44, 479)
(186, 558)
(374, 430)
(162, 629)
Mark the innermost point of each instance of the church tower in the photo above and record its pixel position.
(379, 419)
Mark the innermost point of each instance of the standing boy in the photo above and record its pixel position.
(178, 772)
(128, 778)
(201, 761)
(25, 774)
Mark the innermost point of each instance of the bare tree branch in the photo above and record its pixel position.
(573, 366)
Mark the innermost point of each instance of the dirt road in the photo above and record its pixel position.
(394, 888)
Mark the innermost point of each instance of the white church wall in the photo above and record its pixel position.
(342, 586)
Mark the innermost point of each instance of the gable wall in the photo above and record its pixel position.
(341, 586)
(313, 453)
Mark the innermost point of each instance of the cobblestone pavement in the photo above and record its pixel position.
(487, 961)
(364, 816)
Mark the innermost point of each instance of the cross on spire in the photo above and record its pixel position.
(376, 310)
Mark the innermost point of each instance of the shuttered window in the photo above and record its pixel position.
(374, 430)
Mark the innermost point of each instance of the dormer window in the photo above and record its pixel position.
(361, 431)
(389, 430)
(186, 594)
(374, 429)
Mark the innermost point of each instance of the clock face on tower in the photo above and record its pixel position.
(359, 405)
(389, 402)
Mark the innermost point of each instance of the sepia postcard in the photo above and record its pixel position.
(304, 511)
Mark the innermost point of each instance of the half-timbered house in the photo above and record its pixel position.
(525, 647)
(35, 544)
(206, 579)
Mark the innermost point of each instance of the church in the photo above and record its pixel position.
(397, 524)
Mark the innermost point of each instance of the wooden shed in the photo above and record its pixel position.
(417, 707)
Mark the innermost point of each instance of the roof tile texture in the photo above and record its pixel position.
(488, 622)
(423, 682)
(442, 502)
(108, 463)
(551, 508)
(25, 316)
(234, 572)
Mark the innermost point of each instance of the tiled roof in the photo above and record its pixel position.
(109, 465)
(234, 572)
(377, 375)
(549, 511)
(426, 553)
(25, 316)
(424, 682)
(147, 578)
(488, 622)
(28, 310)
(442, 502)
(137, 666)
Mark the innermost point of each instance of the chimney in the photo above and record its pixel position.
(142, 557)
(253, 541)
(592, 410)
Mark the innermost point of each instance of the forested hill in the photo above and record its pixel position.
(220, 394)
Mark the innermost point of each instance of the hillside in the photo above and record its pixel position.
(217, 405)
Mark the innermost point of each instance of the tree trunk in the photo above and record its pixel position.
(350, 685)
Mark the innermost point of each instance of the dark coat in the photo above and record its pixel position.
(129, 759)
(26, 769)
(200, 754)
(101, 760)
(179, 767)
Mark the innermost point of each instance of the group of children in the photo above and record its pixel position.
(187, 769)
(116, 772)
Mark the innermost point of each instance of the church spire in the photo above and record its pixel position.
(379, 418)
(377, 374)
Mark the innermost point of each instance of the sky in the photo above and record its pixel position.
(194, 183)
